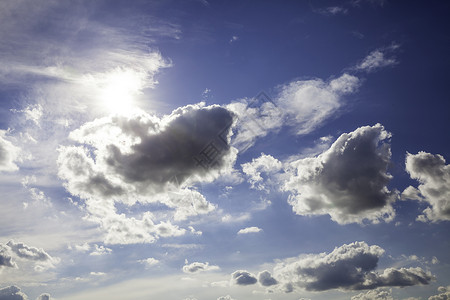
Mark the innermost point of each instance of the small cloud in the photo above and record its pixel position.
(247, 230)
(234, 38)
(100, 250)
(379, 58)
(149, 262)
(242, 277)
(197, 267)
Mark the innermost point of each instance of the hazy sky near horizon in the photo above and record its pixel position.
(229, 150)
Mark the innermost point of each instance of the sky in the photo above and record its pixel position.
(229, 150)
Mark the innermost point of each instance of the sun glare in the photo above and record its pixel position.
(120, 89)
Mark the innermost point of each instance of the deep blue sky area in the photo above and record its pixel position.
(139, 159)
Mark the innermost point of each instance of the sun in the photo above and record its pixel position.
(120, 89)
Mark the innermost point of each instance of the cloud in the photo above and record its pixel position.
(444, 294)
(5, 257)
(149, 262)
(332, 10)
(242, 277)
(227, 297)
(146, 159)
(347, 181)
(348, 267)
(378, 294)
(264, 164)
(197, 267)
(9, 154)
(377, 59)
(433, 176)
(100, 250)
(304, 105)
(28, 252)
(12, 293)
(265, 278)
(247, 230)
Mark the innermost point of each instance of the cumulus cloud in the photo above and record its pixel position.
(247, 230)
(28, 252)
(146, 159)
(434, 184)
(302, 104)
(349, 267)
(5, 257)
(444, 294)
(149, 262)
(264, 164)
(100, 250)
(197, 267)
(242, 277)
(378, 59)
(265, 278)
(8, 154)
(347, 181)
(378, 294)
(44, 297)
(12, 293)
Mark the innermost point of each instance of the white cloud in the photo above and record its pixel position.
(444, 294)
(247, 230)
(9, 154)
(347, 181)
(378, 59)
(349, 267)
(28, 252)
(264, 164)
(242, 277)
(304, 105)
(434, 184)
(378, 294)
(197, 267)
(100, 250)
(332, 10)
(149, 262)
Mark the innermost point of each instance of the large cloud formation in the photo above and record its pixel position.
(348, 267)
(347, 181)
(434, 178)
(146, 159)
(28, 252)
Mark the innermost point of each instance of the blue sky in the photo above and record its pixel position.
(194, 150)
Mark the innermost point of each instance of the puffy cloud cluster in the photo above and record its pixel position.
(444, 294)
(8, 154)
(14, 293)
(434, 178)
(28, 252)
(197, 267)
(378, 294)
(348, 181)
(302, 104)
(264, 164)
(146, 159)
(5, 257)
(349, 267)
(265, 278)
(242, 277)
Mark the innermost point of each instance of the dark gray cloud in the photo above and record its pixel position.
(44, 297)
(197, 267)
(12, 293)
(348, 181)
(434, 178)
(27, 252)
(265, 278)
(242, 277)
(5, 257)
(144, 153)
(349, 267)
